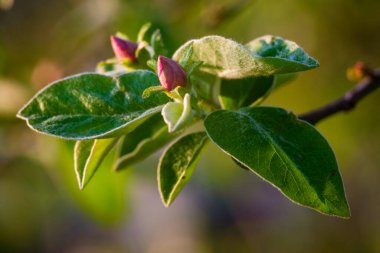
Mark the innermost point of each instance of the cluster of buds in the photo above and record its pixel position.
(124, 49)
(170, 73)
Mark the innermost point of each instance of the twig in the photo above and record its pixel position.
(347, 102)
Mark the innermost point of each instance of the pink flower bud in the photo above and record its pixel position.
(170, 73)
(124, 49)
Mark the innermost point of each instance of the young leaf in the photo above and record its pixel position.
(177, 114)
(143, 141)
(157, 44)
(88, 155)
(288, 153)
(231, 60)
(91, 106)
(143, 32)
(237, 93)
(178, 163)
(281, 54)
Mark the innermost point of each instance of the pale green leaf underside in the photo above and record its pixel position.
(178, 163)
(231, 60)
(237, 93)
(143, 141)
(177, 114)
(289, 153)
(88, 155)
(90, 105)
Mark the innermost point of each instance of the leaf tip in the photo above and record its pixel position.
(166, 203)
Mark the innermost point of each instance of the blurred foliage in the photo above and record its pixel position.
(224, 208)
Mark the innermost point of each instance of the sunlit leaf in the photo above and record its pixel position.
(89, 106)
(231, 60)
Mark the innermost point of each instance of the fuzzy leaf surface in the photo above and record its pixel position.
(90, 105)
(231, 60)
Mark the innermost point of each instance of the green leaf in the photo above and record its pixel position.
(143, 32)
(288, 153)
(237, 93)
(143, 141)
(283, 79)
(284, 55)
(178, 163)
(177, 114)
(88, 155)
(157, 44)
(231, 60)
(92, 106)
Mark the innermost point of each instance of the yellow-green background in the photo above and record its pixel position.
(224, 208)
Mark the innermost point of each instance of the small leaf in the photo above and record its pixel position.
(237, 93)
(88, 155)
(178, 163)
(92, 106)
(288, 153)
(177, 114)
(143, 31)
(284, 55)
(231, 60)
(143, 141)
(157, 44)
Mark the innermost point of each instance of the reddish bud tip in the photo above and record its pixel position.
(170, 73)
(124, 49)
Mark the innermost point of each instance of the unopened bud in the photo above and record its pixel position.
(359, 71)
(170, 73)
(124, 49)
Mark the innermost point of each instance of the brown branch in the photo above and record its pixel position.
(347, 102)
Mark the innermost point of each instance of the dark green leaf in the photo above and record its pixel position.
(237, 93)
(289, 153)
(88, 155)
(143, 141)
(231, 60)
(89, 106)
(283, 55)
(178, 163)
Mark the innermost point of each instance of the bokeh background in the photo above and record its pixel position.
(223, 208)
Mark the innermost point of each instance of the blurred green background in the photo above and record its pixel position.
(224, 208)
